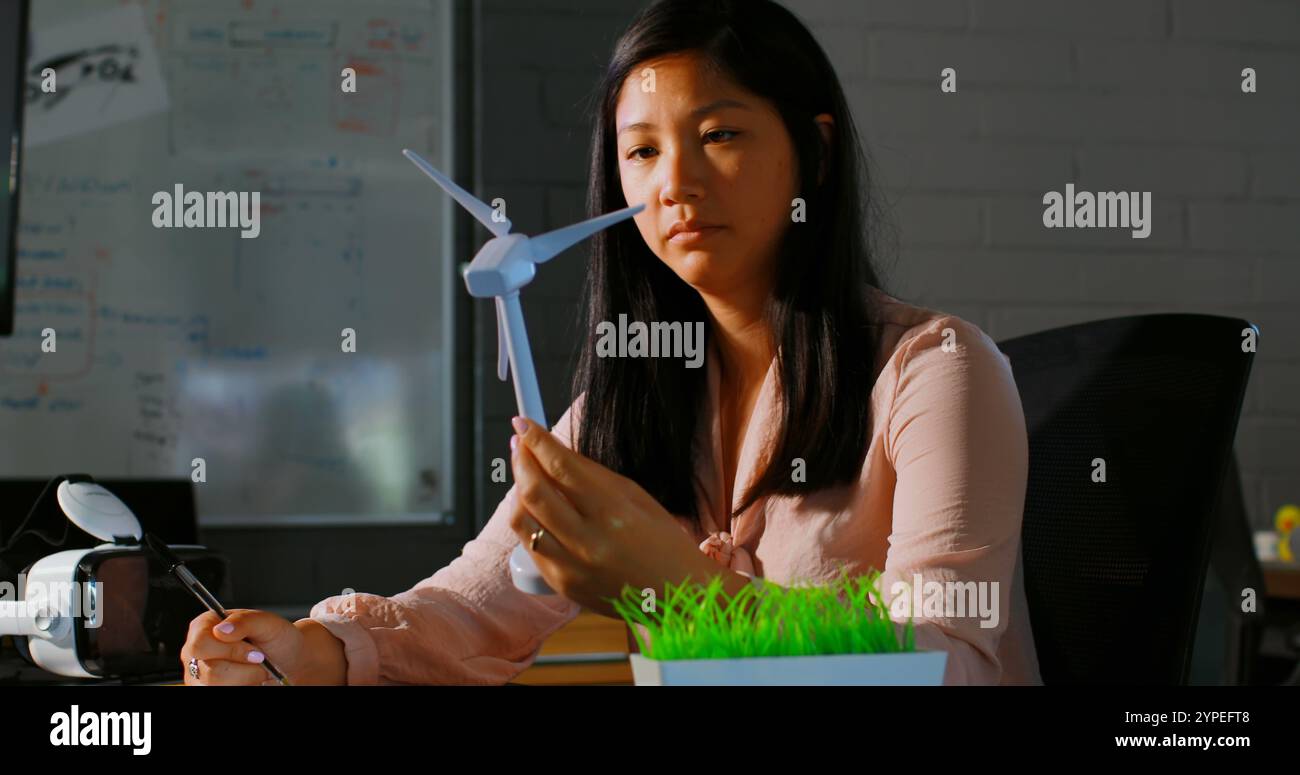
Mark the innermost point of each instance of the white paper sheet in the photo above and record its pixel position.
(106, 72)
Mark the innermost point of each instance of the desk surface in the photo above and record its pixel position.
(591, 636)
(591, 649)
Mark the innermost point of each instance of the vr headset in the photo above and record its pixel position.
(84, 598)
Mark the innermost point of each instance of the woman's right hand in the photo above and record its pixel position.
(305, 652)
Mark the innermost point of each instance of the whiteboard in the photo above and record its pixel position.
(188, 351)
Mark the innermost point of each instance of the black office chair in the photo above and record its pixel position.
(1235, 566)
(1114, 569)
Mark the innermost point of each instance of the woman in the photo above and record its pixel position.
(833, 426)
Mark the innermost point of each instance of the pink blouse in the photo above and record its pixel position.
(937, 509)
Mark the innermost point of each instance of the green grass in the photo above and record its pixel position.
(700, 621)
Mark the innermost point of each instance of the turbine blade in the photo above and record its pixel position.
(481, 212)
(503, 358)
(552, 243)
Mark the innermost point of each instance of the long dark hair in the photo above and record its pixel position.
(639, 415)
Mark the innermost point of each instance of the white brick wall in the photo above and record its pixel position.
(1108, 94)
(1134, 95)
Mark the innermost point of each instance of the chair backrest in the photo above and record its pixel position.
(1233, 562)
(1131, 422)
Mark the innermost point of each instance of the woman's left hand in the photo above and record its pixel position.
(602, 529)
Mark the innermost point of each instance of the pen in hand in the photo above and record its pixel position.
(176, 566)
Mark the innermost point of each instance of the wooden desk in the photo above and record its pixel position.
(588, 633)
(1281, 579)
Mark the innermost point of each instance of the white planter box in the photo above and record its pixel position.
(917, 668)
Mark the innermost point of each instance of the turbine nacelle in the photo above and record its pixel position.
(503, 265)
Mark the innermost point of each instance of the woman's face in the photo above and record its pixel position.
(699, 151)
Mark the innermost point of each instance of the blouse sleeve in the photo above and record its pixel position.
(957, 441)
(465, 624)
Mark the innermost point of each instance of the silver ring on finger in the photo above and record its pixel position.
(194, 668)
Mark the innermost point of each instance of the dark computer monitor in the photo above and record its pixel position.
(13, 63)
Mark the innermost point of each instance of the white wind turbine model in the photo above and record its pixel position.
(504, 265)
